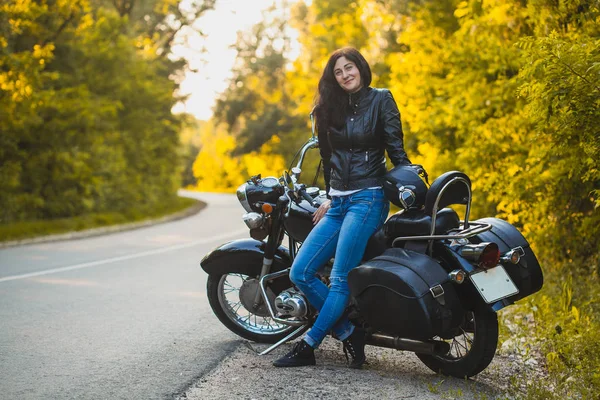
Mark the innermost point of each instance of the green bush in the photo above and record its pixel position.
(561, 321)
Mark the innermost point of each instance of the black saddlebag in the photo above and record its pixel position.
(527, 274)
(405, 293)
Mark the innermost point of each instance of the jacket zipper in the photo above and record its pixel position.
(367, 156)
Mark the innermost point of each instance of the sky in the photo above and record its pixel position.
(214, 66)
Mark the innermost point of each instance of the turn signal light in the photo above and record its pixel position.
(457, 276)
(267, 208)
(513, 255)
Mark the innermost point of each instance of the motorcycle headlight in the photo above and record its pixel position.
(243, 197)
(253, 220)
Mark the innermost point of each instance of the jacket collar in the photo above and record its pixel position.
(354, 98)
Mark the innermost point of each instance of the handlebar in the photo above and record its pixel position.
(306, 196)
(300, 189)
(294, 195)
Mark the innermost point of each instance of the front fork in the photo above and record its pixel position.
(273, 242)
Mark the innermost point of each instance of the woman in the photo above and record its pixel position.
(355, 124)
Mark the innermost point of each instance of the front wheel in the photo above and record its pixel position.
(231, 296)
(471, 350)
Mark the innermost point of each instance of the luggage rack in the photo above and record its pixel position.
(475, 229)
(453, 187)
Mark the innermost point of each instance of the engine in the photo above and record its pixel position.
(291, 303)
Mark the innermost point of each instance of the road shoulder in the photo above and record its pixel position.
(390, 374)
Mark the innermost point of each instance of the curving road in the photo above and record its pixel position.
(118, 316)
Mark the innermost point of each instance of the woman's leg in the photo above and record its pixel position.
(363, 215)
(317, 249)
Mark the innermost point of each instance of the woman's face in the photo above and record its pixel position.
(347, 75)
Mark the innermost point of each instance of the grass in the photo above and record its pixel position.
(566, 329)
(31, 229)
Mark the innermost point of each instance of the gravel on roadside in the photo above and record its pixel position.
(390, 374)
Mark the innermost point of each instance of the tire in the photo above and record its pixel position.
(227, 293)
(471, 351)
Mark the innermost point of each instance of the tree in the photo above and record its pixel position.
(257, 103)
(86, 97)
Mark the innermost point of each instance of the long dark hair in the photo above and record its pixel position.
(332, 100)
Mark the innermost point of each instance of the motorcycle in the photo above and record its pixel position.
(429, 282)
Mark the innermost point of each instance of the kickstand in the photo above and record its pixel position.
(249, 345)
(282, 341)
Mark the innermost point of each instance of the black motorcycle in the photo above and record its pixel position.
(429, 283)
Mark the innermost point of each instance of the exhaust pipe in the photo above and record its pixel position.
(432, 347)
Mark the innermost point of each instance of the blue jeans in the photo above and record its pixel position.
(343, 232)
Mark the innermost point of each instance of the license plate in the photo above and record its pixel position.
(494, 284)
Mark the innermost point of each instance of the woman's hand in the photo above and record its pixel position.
(320, 213)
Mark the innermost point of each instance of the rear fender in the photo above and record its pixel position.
(244, 256)
(468, 294)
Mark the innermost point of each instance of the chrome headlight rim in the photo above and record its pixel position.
(243, 197)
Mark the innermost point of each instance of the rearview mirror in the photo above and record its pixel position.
(288, 179)
(312, 121)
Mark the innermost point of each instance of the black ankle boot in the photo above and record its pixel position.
(355, 346)
(302, 354)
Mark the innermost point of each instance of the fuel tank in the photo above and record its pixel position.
(299, 223)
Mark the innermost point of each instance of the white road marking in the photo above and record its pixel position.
(126, 257)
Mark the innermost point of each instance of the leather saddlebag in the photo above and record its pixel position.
(405, 293)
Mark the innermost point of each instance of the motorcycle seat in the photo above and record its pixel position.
(417, 223)
(376, 245)
(411, 223)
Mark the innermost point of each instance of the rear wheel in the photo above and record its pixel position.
(471, 350)
(231, 296)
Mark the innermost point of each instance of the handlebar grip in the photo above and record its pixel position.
(307, 197)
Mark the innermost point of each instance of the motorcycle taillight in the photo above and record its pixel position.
(490, 256)
(486, 255)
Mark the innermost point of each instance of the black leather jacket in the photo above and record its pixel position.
(353, 156)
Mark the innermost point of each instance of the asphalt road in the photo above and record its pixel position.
(121, 316)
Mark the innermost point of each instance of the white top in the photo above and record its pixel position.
(341, 193)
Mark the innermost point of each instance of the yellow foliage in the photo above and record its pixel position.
(87, 21)
(462, 9)
(575, 313)
(216, 170)
(19, 6)
(43, 52)
(427, 157)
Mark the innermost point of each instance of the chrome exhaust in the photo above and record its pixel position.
(432, 347)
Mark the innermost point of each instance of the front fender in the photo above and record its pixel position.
(244, 256)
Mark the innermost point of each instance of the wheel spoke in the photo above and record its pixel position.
(456, 348)
(469, 340)
(462, 344)
(237, 307)
(268, 322)
(458, 342)
(229, 296)
(230, 285)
